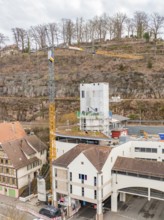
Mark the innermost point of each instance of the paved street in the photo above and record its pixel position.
(7, 211)
(135, 208)
(8, 208)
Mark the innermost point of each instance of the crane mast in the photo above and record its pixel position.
(52, 125)
(52, 110)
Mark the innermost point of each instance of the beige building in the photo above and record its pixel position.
(21, 157)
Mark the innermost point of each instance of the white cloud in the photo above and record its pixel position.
(25, 13)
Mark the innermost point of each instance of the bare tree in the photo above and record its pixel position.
(118, 21)
(86, 32)
(38, 35)
(110, 27)
(130, 27)
(79, 29)
(3, 39)
(53, 31)
(141, 23)
(99, 27)
(67, 31)
(156, 24)
(20, 37)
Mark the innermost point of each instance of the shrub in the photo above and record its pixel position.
(71, 117)
(133, 116)
(121, 67)
(149, 64)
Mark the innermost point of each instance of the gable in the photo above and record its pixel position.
(81, 164)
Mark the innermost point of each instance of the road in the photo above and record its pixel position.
(12, 213)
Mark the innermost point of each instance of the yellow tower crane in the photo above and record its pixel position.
(52, 110)
(51, 91)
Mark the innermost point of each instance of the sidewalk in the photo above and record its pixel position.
(13, 202)
(30, 207)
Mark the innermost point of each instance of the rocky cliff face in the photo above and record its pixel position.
(24, 87)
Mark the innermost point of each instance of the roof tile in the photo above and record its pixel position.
(11, 131)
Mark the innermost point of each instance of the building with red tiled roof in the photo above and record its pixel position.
(21, 157)
(11, 131)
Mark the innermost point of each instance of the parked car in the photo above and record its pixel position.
(50, 211)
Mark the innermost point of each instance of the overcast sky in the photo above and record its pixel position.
(26, 13)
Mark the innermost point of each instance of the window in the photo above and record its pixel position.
(154, 150)
(6, 161)
(95, 194)
(2, 161)
(83, 94)
(147, 150)
(163, 151)
(56, 172)
(14, 181)
(8, 180)
(70, 188)
(70, 176)
(82, 177)
(7, 170)
(82, 191)
(56, 184)
(12, 171)
(95, 181)
(82, 163)
(29, 167)
(42, 152)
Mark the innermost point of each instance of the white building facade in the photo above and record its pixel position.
(81, 178)
(94, 107)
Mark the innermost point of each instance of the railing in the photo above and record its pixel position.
(138, 121)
